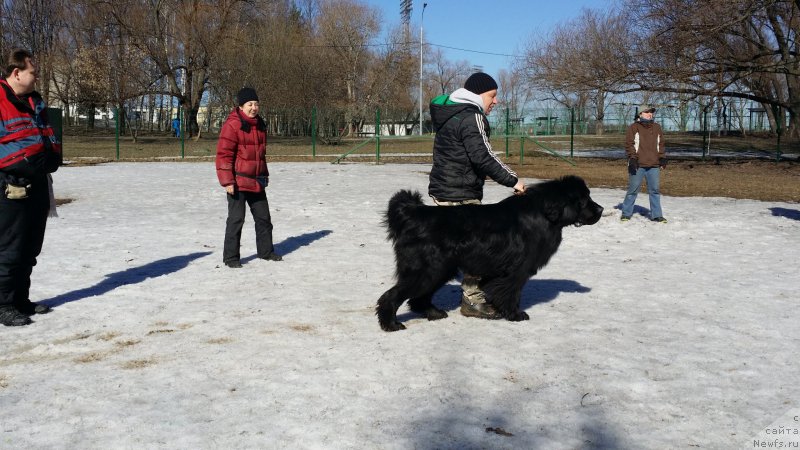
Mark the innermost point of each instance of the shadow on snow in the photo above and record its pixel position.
(134, 275)
(293, 243)
(535, 291)
(793, 214)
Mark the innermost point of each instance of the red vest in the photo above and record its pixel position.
(28, 145)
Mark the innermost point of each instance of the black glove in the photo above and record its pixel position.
(662, 162)
(633, 165)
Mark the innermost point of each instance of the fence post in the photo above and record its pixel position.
(521, 148)
(181, 128)
(116, 129)
(377, 135)
(778, 111)
(507, 131)
(314, 132)
(705, 131)
(571, 131)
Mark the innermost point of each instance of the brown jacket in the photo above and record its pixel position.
(645, 142)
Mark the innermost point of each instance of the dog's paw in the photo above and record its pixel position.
(392, 326)
(519, 316)
(435, 314)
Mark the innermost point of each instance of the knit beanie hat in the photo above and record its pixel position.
(246, 95)
(479, 82)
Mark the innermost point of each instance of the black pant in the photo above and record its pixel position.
(259, 207)
(22, 225)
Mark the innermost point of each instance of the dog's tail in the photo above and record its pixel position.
(399, 214)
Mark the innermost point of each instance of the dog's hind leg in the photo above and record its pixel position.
(386, 310)
(422, 302)
(419, 289)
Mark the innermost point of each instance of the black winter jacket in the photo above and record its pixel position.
(462, 154)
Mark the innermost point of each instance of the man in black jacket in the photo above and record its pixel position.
(462, 159)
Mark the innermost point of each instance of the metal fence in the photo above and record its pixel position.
(742, 117)
(133, 134)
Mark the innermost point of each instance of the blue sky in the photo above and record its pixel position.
(502, 27)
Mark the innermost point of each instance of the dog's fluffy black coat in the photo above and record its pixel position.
(504, 243)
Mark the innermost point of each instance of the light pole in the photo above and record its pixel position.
(424, 5)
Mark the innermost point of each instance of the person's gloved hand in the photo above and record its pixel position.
(633, 165)
(662, 162)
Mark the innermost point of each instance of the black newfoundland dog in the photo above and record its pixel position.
(504, 243)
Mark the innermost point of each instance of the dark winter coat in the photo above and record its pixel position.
(242, 152)
(644, 141)
(462, 154)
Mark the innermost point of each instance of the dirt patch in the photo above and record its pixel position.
(138, 363)
(743, 179)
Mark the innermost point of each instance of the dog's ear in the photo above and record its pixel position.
(563, 209)
(552, 210)
(571, 212)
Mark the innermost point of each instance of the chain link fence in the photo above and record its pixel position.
(138, 134)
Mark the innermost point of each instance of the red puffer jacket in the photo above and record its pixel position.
(242, 152)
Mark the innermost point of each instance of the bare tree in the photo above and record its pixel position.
(444, 75)
(347, 27)
(582, 61)
(392, 81)
(725, 48)
(180, 39)
(35, 25)
(513, 93)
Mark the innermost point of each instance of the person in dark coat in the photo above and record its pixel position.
(647, 157)
(242, 170)
(30, 151)
(462, 159)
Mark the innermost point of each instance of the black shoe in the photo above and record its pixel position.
(272, 257)
(30, 308)
(10, 317)
(234, 264)
(479, 310)
(660, 220)
(625, 218)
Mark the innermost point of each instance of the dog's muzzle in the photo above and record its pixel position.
(591, 216)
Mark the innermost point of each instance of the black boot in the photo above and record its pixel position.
(10, 317)
(273, 257)
(30, 308)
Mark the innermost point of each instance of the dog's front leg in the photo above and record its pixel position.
(424, 306)
(504, 293)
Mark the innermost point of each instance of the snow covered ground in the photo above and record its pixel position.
(641, 335)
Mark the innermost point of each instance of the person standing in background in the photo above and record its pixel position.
(242, 170)
(644, 146)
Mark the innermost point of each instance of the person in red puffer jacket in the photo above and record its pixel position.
(242, 170)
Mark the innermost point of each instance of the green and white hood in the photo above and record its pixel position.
(444, 107)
